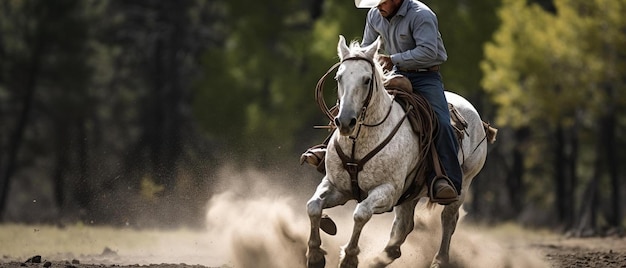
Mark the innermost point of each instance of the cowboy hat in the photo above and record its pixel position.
(368, 3)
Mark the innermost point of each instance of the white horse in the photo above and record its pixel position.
(367, 116)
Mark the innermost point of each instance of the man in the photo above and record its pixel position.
(411, 38)
(410, 35)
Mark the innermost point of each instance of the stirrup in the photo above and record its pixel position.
(439, 200)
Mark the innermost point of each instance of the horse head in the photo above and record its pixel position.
(358, 77)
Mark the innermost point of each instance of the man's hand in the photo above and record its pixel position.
(386, 62)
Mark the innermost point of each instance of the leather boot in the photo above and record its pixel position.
(314, 156)
(443, 192)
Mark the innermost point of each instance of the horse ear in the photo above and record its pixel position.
(370, 51)
(342, 47)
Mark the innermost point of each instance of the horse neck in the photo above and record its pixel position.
(376, 113)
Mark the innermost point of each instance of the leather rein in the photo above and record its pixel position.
(350, 164)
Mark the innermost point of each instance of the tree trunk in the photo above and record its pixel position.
(559, 179)
(165, 148)
(83, 192)
(14, 145)
(604, 147)
(60, 167)
(588, 213)
(15, 142)
(570, 154)
(562, 182)
(608, 137)
(515, 177)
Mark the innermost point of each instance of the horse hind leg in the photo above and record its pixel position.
(325, 196)
(402, 225)
(449, 220)
(379, 200)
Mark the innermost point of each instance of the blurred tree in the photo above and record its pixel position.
(260, 89)
(43, 51)
(547, 79)
(115, 109)
(108, 82)
(604, 37)
(465, 26)
(151, 51)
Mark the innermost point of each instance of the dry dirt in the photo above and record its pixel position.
(555, 252)
(584, 252)
(254, 223)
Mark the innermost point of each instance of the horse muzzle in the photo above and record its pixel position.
(346, 123)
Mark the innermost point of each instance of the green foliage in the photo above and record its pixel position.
(465, 27)
(121, 86)
(258, 89)
(244, 92)
(546, 67)
(560, 73)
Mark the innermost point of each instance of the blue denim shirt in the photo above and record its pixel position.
(411, 37)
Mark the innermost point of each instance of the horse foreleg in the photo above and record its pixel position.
(449, 219)
(379, 200)
(325, 196)
(402, 225)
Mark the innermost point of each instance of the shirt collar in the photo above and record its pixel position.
(403, 8)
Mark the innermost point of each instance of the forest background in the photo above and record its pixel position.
(122, 112)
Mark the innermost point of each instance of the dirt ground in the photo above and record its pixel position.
(554, 250)
(584, 252)
(268, 228)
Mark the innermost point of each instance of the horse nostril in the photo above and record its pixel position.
(352, 122)
(337, 122)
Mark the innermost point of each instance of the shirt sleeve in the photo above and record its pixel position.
(369, 33)
(426, 35)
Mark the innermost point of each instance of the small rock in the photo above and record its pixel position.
(75, 261)
(47, 264)
(34, 259)
(108, 252)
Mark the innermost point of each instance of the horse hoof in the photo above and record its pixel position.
(319, 264)
(349, 262)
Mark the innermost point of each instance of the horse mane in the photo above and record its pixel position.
(357, 50)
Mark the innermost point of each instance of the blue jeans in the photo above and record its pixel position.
(430, 85)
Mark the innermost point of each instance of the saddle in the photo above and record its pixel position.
(401, 83)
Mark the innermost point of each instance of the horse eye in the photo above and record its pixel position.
(367, 81)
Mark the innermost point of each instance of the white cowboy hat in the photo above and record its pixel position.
(368, 3)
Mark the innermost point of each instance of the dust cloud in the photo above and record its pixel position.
(259, 220)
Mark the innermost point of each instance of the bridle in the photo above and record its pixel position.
(322, 104)
(370, 91)
(350, 164)
(368, 99)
